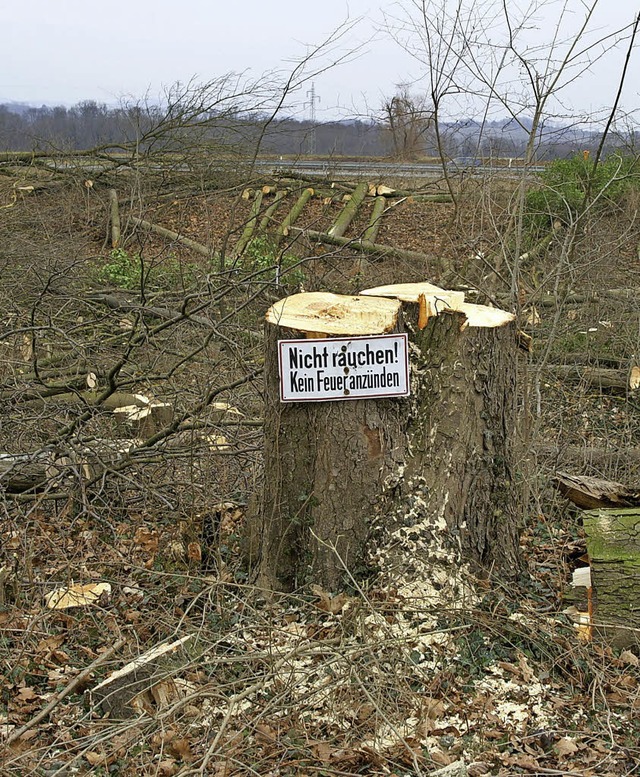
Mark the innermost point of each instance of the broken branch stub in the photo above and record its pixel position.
(338, 473)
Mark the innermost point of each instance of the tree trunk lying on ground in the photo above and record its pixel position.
(442, 460)
(593, 360)
(250, 226)
(117, 302)
(617, 381)
(371, 232)
(431, 262)
(349, 211)
(589, 493)
(173, 236)
(606, 462)
(621, 295)
(293, 215)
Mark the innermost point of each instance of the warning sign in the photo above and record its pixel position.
(344, 368)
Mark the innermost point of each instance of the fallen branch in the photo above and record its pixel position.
(165, 314)
(174, 237)
(428, 262)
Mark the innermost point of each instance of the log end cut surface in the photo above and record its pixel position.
(477, 315)
(411, 292)
(334, 314)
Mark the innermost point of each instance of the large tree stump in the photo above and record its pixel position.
(337, 472)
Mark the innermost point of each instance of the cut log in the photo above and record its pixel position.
(429, 261)
(371, 232)
(615, 381)
(613, 545)
(589, 493)
(250, 226)
(293, 215)
(349, 211)
(23, 472)
(114, 211)
(268, 214)
(440, 462)
(147, 420)
(173, 236)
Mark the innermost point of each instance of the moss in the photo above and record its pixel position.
(614, 535)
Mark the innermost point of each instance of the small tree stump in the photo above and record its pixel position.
(337, 472)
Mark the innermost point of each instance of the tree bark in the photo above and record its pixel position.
(613, 544)
(173, 236)
(115, 218)
(293, 215)
(617, 381)
(371, 232)
(433, 263)
(349, 211)
(339, 472)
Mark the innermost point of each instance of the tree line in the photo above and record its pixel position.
(402, 129)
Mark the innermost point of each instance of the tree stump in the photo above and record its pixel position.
(613, 545)
(337, 473)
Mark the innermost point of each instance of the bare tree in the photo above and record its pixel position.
(408, 119)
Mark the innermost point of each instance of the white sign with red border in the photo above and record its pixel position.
(344, 368)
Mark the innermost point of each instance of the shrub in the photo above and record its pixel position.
(567, 184)
(126, 270)
(263, 255)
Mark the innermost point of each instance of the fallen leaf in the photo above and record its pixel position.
(27, 694)
(95, 758)
(565, 746)
(629, 658)
(76, 595)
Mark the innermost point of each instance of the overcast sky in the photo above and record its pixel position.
(71, 50)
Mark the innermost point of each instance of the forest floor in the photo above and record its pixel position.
(386, 677)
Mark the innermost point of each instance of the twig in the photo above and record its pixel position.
(64, 692)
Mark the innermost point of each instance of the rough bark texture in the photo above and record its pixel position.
(349, 211)
(462, 435)
(337, 472)
(589, 493)
(613, 544)
(325, 468)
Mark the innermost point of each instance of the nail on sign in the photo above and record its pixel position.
(343, 368)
